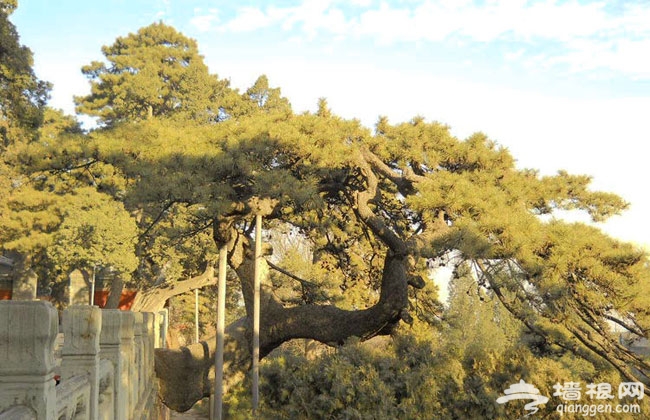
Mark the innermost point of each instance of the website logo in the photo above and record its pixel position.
(571, 394)
(524, 391)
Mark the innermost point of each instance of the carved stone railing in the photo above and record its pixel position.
(106, 369)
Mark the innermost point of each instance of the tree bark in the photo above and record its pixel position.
(153, 300)
(113, 301)
(186, 375)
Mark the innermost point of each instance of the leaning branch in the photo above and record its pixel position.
(631, 328)
(153, 300)
(157, 219)
(84, 165)
(404, 186)
(361, 203)
(619, 358)
(291, 275)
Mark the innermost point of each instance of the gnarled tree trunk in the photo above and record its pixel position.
(185, 375)
(113, 301)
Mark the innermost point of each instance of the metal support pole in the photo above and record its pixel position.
(92, 288)
(256, 313)
(196, 315)
(221, 315)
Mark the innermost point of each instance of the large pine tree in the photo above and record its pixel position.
(374, 208)
(154, 72)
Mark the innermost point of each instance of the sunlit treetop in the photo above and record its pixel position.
(8, 6)
(154, 72)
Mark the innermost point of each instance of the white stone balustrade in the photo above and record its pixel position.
(73, 399)
(128, 360)
(107, 370)
(149, 331)
(27, 333)
(80, 354)
(110, 342)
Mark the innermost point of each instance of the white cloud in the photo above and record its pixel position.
(164, 7)
(436, 20)
(62, 70)
(205, 21)
(633, 55)
(514, 55)
(248, 19)
(587, 36)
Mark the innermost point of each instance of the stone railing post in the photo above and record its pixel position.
(27, 334)
(80, 354)
(111, 349)
(128, 362)
(137, 358)
(157, 324)
(150, 393)
(144, 362)
(149, 320)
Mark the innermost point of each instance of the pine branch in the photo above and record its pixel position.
(291, 275)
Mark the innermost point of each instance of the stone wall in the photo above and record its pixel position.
(106, 369)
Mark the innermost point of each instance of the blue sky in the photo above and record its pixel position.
(562, 84)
